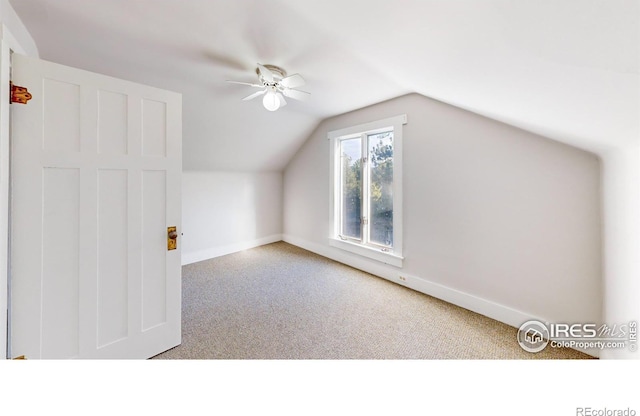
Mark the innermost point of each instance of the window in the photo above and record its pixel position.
(366, 178)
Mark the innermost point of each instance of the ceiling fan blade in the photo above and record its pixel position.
(246, 83)
(296, 94)
(266, 74)
(254, 95)
(292, 81)
(283, 102)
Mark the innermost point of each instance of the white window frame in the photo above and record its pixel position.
(392, 256)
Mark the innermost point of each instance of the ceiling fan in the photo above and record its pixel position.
(275, 85)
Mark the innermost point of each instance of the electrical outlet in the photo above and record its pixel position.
(402, 279)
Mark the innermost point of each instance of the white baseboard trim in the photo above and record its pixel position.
(493, 310)
(210, 253)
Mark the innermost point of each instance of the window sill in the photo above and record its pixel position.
(381, 256)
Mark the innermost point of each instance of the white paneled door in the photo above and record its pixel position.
(96, 177)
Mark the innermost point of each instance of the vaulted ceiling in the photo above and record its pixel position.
(568, 70)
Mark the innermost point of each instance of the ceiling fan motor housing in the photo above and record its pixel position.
(275, 70)
(277, 74)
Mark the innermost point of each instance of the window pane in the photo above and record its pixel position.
(381, 188)
(351, 162)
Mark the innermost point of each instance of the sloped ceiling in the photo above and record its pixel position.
(568, 70)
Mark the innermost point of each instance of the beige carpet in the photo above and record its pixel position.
(281, 302)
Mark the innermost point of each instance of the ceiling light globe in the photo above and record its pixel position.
(271, 101)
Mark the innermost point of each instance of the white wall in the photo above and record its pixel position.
(10, 19)
(621, 185)
(224, 212)
(496, 219)
(14, 36)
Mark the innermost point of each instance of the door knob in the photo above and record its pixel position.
(172, 238)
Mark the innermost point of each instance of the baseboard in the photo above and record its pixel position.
(482, 306)
(493, 310)
(210, 253)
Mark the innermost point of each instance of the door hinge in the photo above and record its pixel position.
(365, 221)
(19, 94)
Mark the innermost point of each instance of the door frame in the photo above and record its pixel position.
(8, 44)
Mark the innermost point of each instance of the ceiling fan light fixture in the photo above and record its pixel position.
(275, 85)
(271, 101)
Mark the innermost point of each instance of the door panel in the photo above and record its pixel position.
(60, 260)
(112, 123)
(96, 165)
(61, 129)
(154, 249)
(113, 269)
(154, 135)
